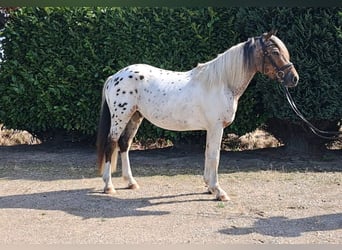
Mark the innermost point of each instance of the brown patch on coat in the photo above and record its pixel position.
(226, 124)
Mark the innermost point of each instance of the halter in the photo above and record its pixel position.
(280, 71)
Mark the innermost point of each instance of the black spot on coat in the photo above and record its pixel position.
(121, 105)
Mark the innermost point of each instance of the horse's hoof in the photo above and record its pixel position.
(133, 186)
(223, 197)
(109, 190)
(210, 191)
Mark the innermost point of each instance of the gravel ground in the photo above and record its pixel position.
(53, 195)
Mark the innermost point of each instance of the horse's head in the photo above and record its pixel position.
(275, 60)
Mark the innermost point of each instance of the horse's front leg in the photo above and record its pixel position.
(212, 158)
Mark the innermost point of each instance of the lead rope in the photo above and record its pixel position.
(334, 135)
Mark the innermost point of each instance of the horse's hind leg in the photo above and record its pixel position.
(112, 148)
(125, 142)
(111, 155)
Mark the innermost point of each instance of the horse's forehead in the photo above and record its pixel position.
(279, 43)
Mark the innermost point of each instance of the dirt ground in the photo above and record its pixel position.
(52, 194)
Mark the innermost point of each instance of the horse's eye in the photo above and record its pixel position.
(275, 53)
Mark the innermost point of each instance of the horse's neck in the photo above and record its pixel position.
(230, 69)
(239, 88)
(239, 71)
(235, 69)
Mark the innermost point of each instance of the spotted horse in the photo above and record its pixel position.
(203, 98)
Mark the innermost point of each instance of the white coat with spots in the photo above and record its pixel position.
(204, 98)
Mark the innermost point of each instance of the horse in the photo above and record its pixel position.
(203, 98)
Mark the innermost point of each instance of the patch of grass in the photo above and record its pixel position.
(221, 204)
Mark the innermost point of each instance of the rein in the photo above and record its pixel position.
(328, 135)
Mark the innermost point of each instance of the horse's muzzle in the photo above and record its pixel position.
(290, 79)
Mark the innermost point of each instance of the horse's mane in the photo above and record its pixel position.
(229, 68)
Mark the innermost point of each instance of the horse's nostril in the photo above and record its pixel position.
(295, 79)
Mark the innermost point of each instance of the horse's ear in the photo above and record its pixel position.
(269, 34)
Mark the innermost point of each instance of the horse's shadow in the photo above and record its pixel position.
(87, 203)
(285, 227)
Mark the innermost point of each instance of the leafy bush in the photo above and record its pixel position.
(57, 59)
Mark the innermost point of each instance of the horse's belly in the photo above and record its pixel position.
(177, 125)
(179, 119)
(171, 122)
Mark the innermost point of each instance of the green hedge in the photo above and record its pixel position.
(57, 59)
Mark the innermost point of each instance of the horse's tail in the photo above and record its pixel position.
(103, 141)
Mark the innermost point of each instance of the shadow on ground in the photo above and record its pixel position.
(43, 162)
(284, 227)
(87, 203)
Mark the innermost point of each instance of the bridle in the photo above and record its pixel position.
(280, 71)
(280, 75)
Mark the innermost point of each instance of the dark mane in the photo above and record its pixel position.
(248, 52)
